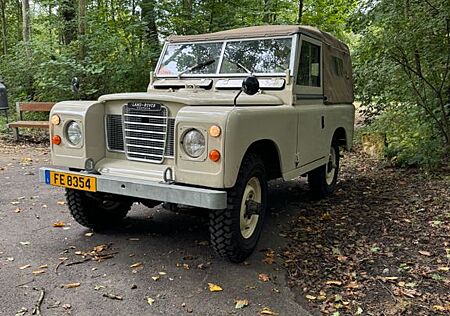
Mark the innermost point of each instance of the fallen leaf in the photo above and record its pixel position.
(267, 311)
(214, 287)
(264, 277)
(241, 304)
(333, 282)
(150, 301)
(100, 248)
(310, 297)
(59, 224)
(425, 253)
(325, 216)
(445, 269)
(25, 266)
(268, 260)
(440, 308)
(136, 265)
(352, 285)
(72, 285)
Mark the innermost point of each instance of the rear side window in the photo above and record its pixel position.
(309, 68)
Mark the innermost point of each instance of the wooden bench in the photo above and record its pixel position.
(30, 107)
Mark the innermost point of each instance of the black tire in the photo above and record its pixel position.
(95, 210)
(225, 225)
(319, 179)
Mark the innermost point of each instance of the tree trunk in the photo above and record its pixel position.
(300, 11)
(82, 27)
(26, 26)
(4, 30)
(148, 17)
(68, 13)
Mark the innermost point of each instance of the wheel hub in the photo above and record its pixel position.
(331, 166)
(250, 207)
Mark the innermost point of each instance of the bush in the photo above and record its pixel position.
(412, 138)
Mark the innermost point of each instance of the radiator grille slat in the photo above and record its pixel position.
(142, 124)
(144, 135)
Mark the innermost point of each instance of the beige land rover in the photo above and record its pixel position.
(224, 113)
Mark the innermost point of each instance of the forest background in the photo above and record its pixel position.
(400, 51)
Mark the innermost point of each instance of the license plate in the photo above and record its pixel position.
(71, 181)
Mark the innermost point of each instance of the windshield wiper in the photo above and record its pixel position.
(196, 67)
(240, 66)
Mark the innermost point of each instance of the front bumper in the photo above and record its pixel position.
(159, 191)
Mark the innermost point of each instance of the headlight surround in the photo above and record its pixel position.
(73, 133)
(194, 143)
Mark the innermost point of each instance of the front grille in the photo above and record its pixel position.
(144, 135)
(114, 132)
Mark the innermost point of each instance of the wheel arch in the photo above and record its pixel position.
(340, 136)
(269, 153)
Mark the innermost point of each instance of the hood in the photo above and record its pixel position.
(197, 97)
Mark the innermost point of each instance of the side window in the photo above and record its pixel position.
(309, 67)
(338, 66)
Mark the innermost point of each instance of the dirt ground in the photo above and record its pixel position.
(379, 246)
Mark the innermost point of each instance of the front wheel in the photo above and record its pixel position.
(322, 180)
(97, 210)
(235, 231)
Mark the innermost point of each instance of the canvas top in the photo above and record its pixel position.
(263, 31)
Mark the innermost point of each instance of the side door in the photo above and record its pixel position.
(308, 100)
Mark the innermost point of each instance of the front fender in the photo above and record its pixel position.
(247, 125)
(90, 114)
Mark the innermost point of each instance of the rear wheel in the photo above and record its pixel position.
(235, 231)
(97, 210)
(322, 180)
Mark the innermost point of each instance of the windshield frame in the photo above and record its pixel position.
(224, 42)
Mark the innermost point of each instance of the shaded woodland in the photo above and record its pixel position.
(400, 48)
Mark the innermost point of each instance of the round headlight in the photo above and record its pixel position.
(194, 143)
(74, 133)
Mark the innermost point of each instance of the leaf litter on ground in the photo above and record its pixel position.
(376, 251)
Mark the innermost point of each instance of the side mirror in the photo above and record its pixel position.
(250, 85)
(75, 85)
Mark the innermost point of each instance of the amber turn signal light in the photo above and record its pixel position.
(56, 140)
(214, 131)
(214, 155)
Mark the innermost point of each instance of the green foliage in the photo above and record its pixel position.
(412, 140)
(401, 69)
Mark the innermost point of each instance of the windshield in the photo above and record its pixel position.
(264, 56)
(180, 57)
